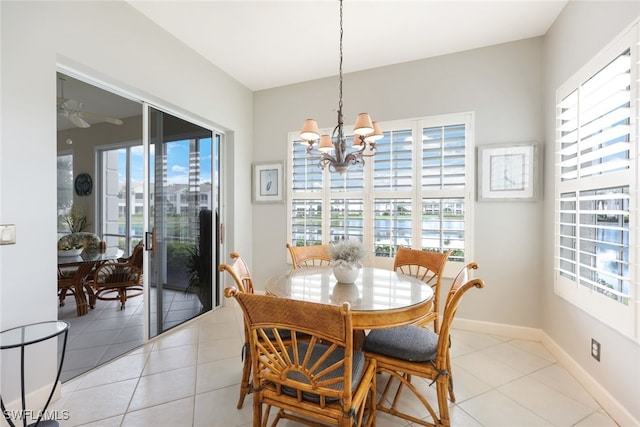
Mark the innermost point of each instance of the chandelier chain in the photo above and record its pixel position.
(340, 80)
(366, 132)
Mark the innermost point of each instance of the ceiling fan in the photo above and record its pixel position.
(72, 109)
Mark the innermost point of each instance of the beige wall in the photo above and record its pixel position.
(581, 31)
(113, 43)
(511, 90)
(501, 84)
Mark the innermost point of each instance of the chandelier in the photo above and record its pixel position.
(366, 134)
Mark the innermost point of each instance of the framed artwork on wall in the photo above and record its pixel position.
(508, 172)
(268, 185)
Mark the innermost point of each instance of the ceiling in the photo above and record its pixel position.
(265, 43)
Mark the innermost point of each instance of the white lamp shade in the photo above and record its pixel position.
(325, 144)
(310, 130)
(375, 135)
(363, 124)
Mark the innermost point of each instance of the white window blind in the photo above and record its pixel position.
(596, 185)
(413, 192)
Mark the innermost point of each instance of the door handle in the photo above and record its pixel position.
(150, 240)
(221, 233)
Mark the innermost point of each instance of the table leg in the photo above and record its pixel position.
(80, 294)
(358, 338)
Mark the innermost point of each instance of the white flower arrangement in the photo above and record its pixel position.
(348, 253)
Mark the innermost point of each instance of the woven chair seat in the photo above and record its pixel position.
(337, 355)
(410, 342)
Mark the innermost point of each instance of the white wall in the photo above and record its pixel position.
(113, 43)
(501, 84)
(582, 30)
(511, 88)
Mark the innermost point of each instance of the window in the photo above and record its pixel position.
(122, 202)
(65, 190)
(596, 186)
(416, 191)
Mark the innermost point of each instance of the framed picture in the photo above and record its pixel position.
(508, 172)
(268, 185)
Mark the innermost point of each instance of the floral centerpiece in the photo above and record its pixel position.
(345, 259)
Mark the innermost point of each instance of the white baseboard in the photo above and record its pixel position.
(36, 399)
(618, 412)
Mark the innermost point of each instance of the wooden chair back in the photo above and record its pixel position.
(303, 361)
(136, 256)
(239, 271)
(309, 256)
(427, 266)
(460, 285)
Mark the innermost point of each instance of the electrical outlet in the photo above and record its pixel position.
(595, 349)
(7, 234)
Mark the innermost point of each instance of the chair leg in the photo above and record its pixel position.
(245, 386)
(91, 295)
(452, 395)
(405, 382)
(123, 298)
(442, 387)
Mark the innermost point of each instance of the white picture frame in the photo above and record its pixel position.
(268, 182)
(508, 172)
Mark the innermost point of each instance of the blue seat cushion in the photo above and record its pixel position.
(409, 342)
(357, 369)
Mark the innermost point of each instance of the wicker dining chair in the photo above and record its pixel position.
(116, 281)
(427, 266)
(316, 380)
(239, 272)
(309, 256)
(415, 351)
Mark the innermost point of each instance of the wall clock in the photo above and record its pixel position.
(83, 184)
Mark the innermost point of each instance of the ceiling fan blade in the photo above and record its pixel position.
(75, 118)
(71, 104)
(99, 117)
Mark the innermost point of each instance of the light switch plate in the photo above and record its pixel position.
(7, 234)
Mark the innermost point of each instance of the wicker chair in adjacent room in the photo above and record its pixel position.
(415, 351)
(317, 380)
(309, 256)
(117, 281)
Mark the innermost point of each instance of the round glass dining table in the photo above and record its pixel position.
(379, 298)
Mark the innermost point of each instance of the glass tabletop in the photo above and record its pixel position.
(375, 289)
(31, 334)
(91, 256)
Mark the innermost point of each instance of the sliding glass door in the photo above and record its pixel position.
(183, 200)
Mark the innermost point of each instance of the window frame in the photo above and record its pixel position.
(69, 188)
(624, 318)
(416, 194)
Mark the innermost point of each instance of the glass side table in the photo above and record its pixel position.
(21, 337)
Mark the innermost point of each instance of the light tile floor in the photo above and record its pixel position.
(107, 332)
(190, 376)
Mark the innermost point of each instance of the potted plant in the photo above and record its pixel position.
(199, 271)
(346, 257)
(76, 220)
